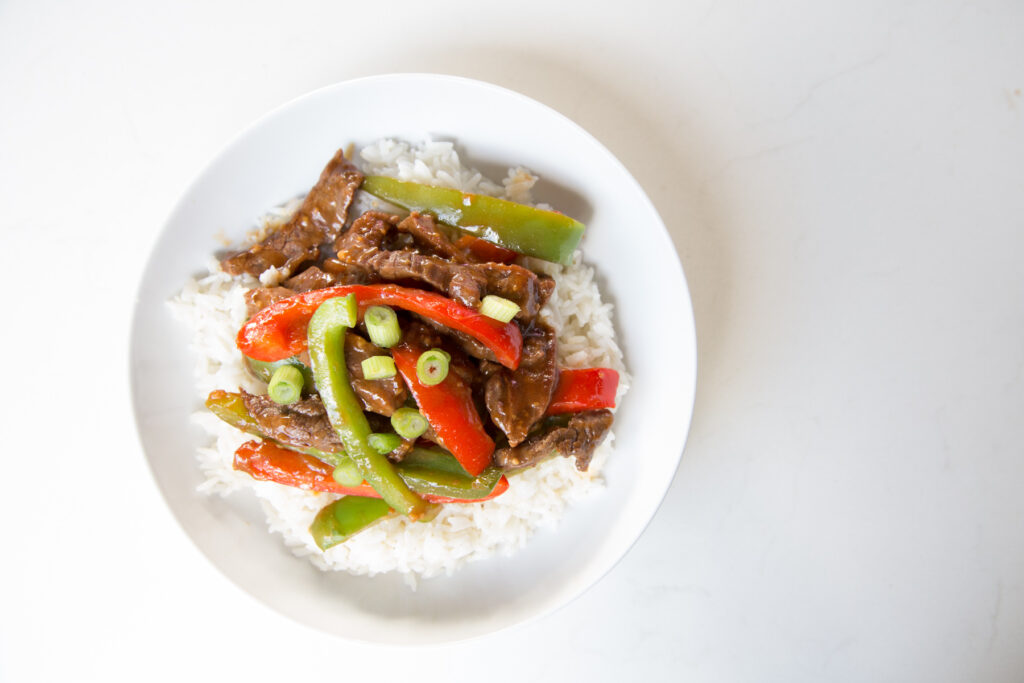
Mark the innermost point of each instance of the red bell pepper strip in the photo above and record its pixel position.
(449, 409)
(267, 461)
(279, 330)
(585, 389)
(486, 251)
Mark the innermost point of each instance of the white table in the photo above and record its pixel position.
(844, 183)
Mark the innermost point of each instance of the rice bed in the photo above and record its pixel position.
(214, 307)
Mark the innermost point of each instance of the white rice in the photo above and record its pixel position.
(214, 307)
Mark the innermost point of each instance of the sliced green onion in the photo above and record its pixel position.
(385, 442)
(382, 325)
(432, 367)
(378, 367)
(409, 422)
(498, 308)
(347, 473)
(286, 385)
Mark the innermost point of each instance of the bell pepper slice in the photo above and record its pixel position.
(535, 232)
(268, 461)
(450, 410)
(279, 330)
(326, 341)
(344, 518)
(486, 251)
(584, 389)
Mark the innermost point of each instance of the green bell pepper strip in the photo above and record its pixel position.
(430, 472)
(342, 519)
(535, 232)
(437, 473)
(326, 340)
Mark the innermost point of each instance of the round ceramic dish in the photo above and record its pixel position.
(279, 157)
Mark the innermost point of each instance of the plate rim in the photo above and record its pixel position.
(550, 606)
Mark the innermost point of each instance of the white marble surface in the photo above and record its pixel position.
(844, 183)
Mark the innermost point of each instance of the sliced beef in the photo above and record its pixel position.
(259, 298)
(309, 279)
(406, 264)
(317, 222)
(517, 284)
(367, 250)
(383, 396)
(465, 283)
(464, 342)
(424, 230)
(517, 399)
(303, 424)
(365, 237)
(577, 439)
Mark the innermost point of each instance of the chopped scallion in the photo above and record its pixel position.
(285, 385)
(378, 367)
(498, 308)
(432, 366)
(382, 326)
(347, 473)
(409, 423)
(385, 442)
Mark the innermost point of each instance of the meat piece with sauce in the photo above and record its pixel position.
(517, 399)
(578, 439)
(382, 396)
(316, 224)
(303, 424)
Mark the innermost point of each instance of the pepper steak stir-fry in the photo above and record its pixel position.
(406, 363)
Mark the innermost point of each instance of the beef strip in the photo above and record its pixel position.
(424, 230)
(517, 284)
(259, 298)
(465, 283)
(365, 237)
(303, 424)
(363, 250)
(383, 396)
(578, 439)
(517, 399)
(465, 343)
(317, 222)
(309, 279)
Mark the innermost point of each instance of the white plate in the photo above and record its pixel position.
(281, 156)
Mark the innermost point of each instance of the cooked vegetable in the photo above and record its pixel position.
(432, 471)
(342, 519)
(535, 232)
(347, 474)
(432, 366)
(585, 389)
(265, 371)
(450, 409)
(500, 309)
(486, 251)
(326, 338)
(382, 326)
(285, 385)
(268, 461)
(378, 367)
(385, 442)
(279, 330)
(409, 423)
(229, 407)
